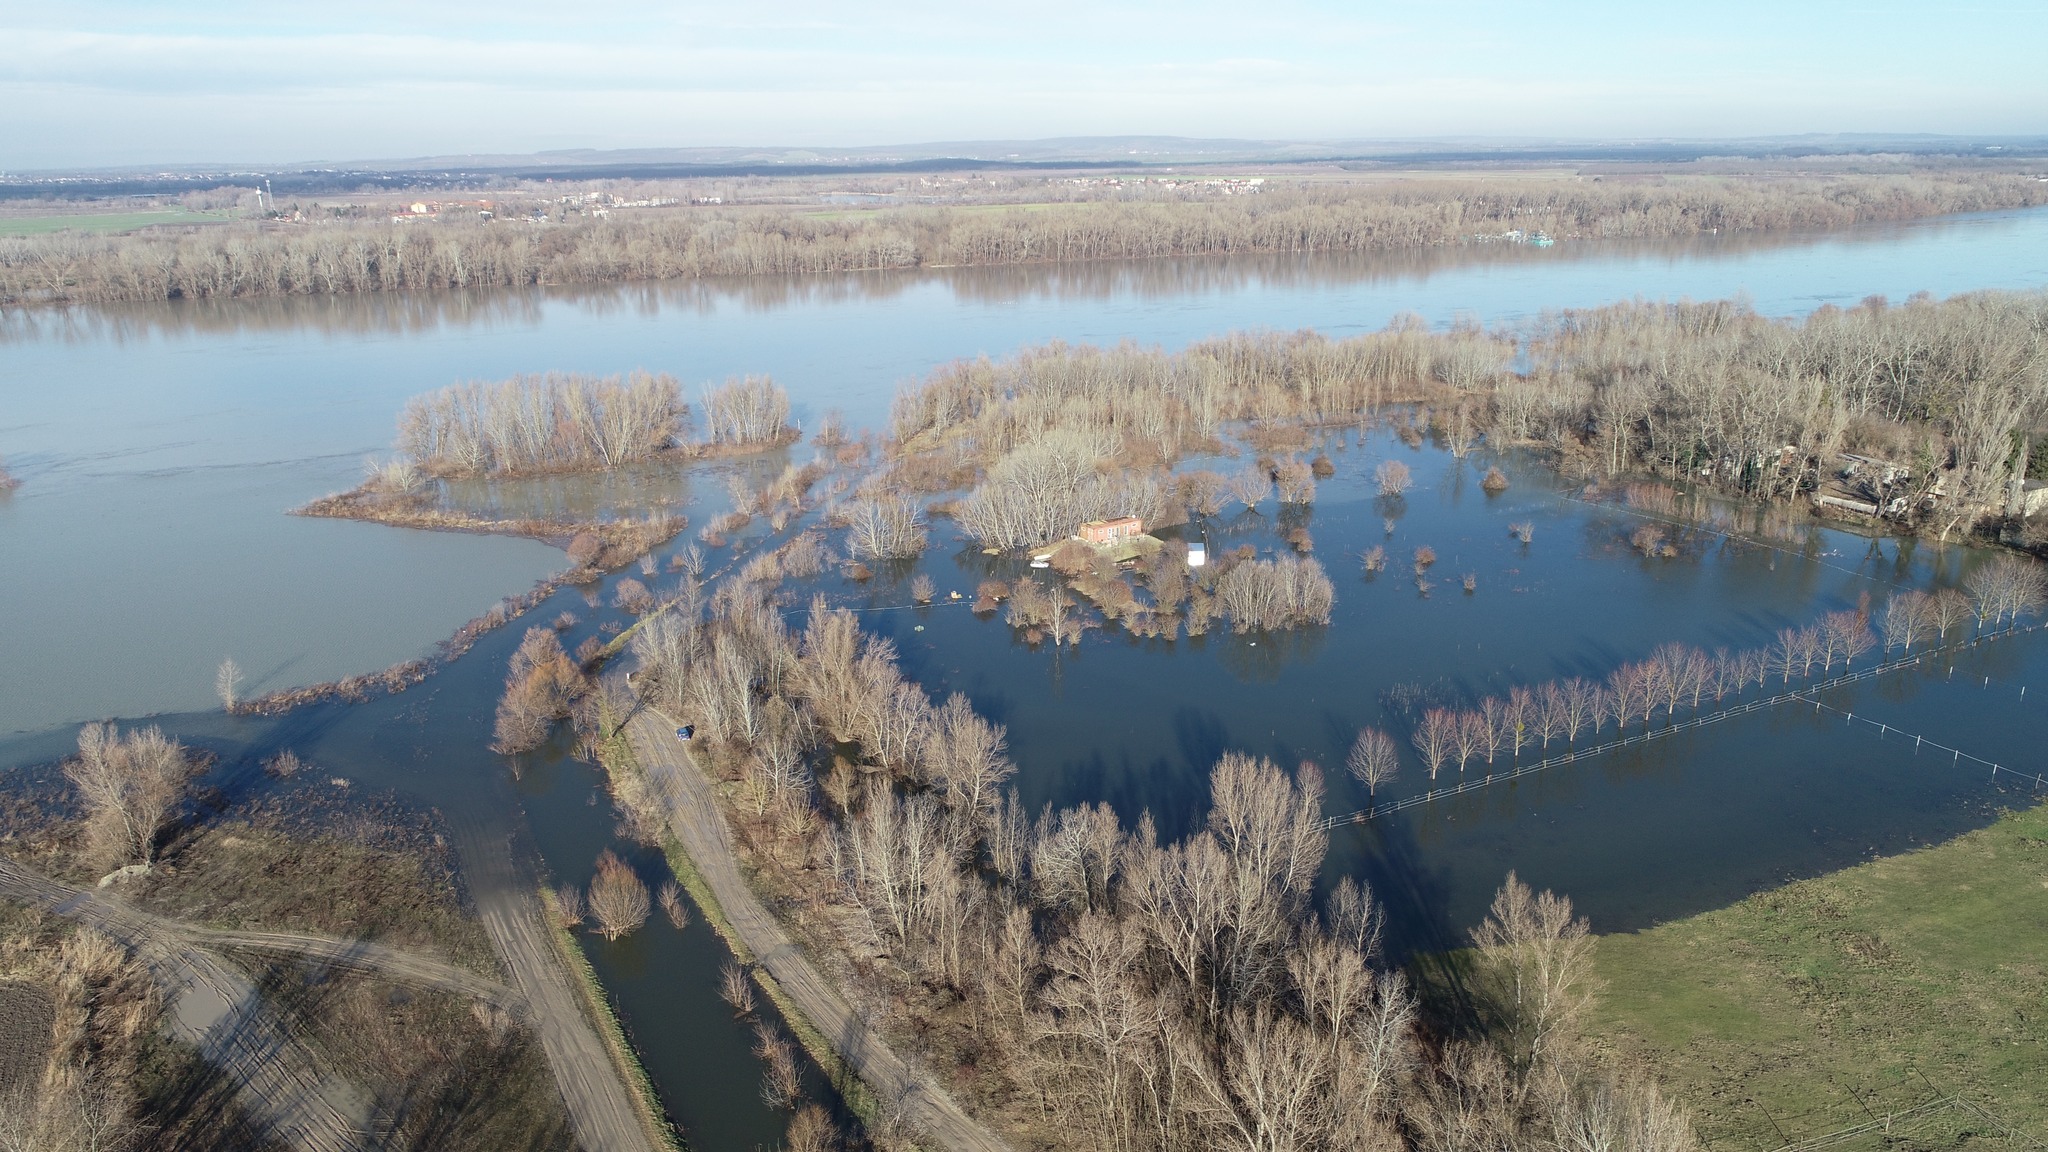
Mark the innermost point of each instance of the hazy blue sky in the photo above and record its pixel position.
(87, 82)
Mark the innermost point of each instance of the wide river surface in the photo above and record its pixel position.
(159, 448)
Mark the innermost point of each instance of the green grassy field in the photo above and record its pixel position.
(1827, 1003)
(104, 221)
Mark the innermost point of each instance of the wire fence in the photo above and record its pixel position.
(1893, 1127)
(1806, 694)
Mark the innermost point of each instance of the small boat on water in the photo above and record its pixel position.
(1541, 240)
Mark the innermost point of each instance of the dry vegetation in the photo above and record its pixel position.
(79, 1022)
(444, 1073)
(560, 422)
(1082, 983)
(1950, 391)
(343, 256)
(566, 422)
(541, 687)
(592, 545)
(131, 785)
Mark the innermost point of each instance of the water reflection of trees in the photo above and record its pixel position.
(1261, 657)
(411, 313)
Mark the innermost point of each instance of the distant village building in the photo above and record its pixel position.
(1117, 531)
(1198, 555)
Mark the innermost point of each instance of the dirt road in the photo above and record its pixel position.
(214, 1007)
(601, 1108)
(694, 819)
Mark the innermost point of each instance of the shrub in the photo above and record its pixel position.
(618, 898)
(1393, 477)
(584, 549)
(632, 596)
(1296, 482)
(989, 594)
(1496, 481)
(883, 528)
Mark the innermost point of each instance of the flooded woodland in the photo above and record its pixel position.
(158, 449)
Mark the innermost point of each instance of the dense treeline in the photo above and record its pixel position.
(337, 257)
(1711, 392)
(1087, 984)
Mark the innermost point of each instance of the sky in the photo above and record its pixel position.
(87, 83)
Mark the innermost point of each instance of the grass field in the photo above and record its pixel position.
(1829, 1002)
(104, 221)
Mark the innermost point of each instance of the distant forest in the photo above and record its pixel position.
(354, 256)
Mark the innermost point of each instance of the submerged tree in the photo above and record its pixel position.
(1393, 477)
(1373, 759)
(618, 898)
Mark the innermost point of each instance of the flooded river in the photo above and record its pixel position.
(159, 448)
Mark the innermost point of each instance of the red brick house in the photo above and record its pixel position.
(1112, 531)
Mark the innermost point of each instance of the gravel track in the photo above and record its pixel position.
(693, 817)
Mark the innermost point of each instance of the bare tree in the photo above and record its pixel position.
(1550, 711)
(131, 785)
(1203, 492)
(618, 898)
(1581, 703)
(811, 1130)
(1948, 608)
(671, 900)
(1523, 717)
(1536, 959)
(1373, 760)
(1436, 736)
(1471, 738)
(1288, 592)
(227, 683)
(735, 989)
(781, 1077)
(1250, 486)
(884, 527)
(1296, 482)
(1906, 617)
(1393, 477)
(566, 902)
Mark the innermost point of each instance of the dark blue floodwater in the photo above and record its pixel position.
(158, 444)
(1662, 832)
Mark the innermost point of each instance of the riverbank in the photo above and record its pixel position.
(625, 1060)
(1807, 1009)
(595, 545)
